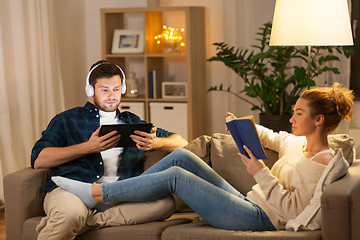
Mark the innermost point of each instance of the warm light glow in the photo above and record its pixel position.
(171, 38)
(311, 23)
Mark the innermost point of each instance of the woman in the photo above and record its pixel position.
(280, 196)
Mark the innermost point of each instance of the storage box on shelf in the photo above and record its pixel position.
(185, 64)
(135, 107)
(176, 116)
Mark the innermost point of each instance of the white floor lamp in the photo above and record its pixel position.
(311, 23)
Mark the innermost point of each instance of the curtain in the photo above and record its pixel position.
(241, 21)
(31, 91)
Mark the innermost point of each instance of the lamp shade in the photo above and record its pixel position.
(311, 23)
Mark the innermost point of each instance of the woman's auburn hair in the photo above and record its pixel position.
(334, 103)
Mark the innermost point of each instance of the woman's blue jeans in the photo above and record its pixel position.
(198, 185)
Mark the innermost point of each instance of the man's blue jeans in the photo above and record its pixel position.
(198, 185)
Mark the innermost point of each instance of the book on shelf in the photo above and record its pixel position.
(154, 83)
(151, 85)
(244, 132)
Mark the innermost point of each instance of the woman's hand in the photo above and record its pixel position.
(229, 117)
(253, 165)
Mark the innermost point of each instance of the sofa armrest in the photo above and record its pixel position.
(23, 198)
(340, 204)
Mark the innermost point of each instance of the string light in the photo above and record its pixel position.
(171, 38)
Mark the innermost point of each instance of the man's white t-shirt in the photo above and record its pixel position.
(111, 157)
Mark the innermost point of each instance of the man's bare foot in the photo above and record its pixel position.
(96, 192)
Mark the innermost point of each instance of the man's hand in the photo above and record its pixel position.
(55, 156)
(146, 141)
(97, 144)
(253, 165)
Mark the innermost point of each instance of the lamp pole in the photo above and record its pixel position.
(309, 65)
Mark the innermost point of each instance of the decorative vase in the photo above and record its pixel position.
(131, 86)
(276, 122)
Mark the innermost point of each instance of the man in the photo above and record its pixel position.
(72, 147)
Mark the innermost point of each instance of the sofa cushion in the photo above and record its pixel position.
(201, 230)
(201, 147)
(226, 161)
(343, 141)
(152, 157)
(150, 230)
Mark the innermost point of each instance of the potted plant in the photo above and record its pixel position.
(271, 78)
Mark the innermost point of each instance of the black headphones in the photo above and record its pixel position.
(89, 89)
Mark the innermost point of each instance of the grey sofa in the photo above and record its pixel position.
(340, 201)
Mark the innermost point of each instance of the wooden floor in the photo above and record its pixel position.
(2, 224)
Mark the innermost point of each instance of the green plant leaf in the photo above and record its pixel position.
(269, 74)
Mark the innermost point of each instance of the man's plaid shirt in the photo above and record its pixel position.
(75, 126)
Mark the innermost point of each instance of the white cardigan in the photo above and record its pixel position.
(310, 217)
(290, 193)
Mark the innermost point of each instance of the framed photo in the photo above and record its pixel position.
(128, 41)
(174, 90)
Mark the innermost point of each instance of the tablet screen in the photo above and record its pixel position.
(125, 130)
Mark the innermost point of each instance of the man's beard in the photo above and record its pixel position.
(104, 106)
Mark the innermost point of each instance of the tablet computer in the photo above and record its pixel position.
(125, 130)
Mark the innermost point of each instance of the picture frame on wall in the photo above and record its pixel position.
(174, 90)
(128, 41)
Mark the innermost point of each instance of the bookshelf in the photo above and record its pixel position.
(185, 66)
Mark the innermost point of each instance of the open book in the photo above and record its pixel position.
(243, 130)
